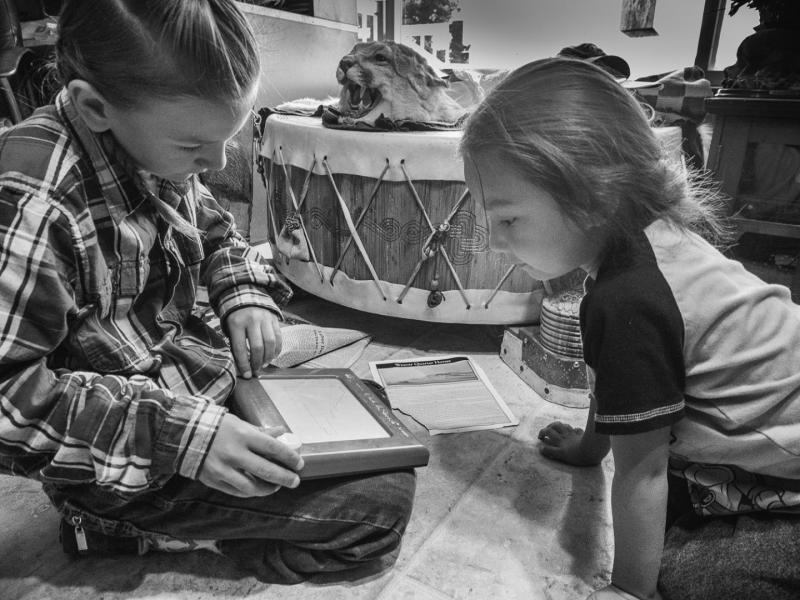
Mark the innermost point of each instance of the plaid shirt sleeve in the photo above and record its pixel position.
(67, 426)
(234, 273)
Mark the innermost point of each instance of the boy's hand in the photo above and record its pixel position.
(255, 336)
(246, 461)
(565, 443)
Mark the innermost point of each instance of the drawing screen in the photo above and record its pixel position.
(322, 410)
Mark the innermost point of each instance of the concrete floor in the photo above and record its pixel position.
(493, 519)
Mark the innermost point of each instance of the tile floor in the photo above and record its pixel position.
(493, 519)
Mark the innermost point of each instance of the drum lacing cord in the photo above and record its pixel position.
(430, 249)
(438, 235)
(270, 211)
(351, 226)
(258, 136)
(499, 285)
(294, 219)
(359, 220)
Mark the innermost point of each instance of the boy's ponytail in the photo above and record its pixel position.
(134, 49)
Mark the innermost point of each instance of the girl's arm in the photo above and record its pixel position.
(575, 446)
(638, 506)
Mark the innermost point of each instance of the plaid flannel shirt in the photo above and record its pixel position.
(106, 374)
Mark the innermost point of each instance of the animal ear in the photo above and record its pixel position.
(415, 70)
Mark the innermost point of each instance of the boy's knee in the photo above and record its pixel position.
(388, 497)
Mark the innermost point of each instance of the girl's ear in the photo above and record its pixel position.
(90, 104)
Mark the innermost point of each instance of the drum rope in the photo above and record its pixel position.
(258, 136)
(297, 214)
(437, 236)
(270, 210)
(351, 226)
(499, 285)
(359, 220)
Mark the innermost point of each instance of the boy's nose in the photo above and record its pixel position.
(213, 158)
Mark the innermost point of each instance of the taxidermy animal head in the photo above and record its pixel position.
(392, 79)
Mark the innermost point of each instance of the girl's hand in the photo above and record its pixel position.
(566, 443)
(255, 336)
(246, 461)
(612, 592)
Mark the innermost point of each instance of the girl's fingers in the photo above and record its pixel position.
(562, 428)
(552, 440)
(550, 451)
(553, 429)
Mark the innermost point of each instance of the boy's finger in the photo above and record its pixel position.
(241, 356)
(241, 485)
(272, 341)
(270, 472)
(274, 431)
(267, 447)
(256, 347)
(259, 487)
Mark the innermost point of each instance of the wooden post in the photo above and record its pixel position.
(713, 14)
(637, 18)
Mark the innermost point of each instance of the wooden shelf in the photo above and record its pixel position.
(774, 228)
(740, 125)
(779, 108)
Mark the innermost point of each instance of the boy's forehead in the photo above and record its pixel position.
(194, 119)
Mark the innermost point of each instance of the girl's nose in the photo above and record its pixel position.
(496, 241)
(213, 157)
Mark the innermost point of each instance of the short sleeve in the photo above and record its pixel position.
(633, 342)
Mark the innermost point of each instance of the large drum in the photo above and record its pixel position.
(382, 222)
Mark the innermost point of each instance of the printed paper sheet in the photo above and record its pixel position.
(445, 394)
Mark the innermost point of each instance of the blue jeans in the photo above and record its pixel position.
(324, 525)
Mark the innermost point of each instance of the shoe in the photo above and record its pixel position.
(78, 541)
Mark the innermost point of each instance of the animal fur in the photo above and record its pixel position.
(390, 79)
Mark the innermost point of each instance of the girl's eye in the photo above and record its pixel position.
(507, 222)
(188, 148)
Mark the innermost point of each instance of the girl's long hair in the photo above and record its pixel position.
(134, 49)
(574, 131)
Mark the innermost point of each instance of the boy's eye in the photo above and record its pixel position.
(189, 148)
(507, 222)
